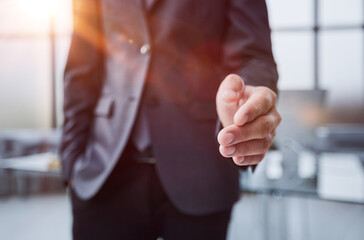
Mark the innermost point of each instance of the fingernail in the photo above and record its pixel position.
(229, 95)
(241, 160)
(229, 138)
(230, 150)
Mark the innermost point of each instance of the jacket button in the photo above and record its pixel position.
(152, 101)
(145, 49)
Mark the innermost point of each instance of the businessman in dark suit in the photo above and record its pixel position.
(157, 93)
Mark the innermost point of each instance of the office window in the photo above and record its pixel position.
(341, 65)
(290, 13)
(319, 44)
(26, 60)
(341, 12)
(293, 52)
(24, 77)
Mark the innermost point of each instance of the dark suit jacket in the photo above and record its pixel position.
(174, 54)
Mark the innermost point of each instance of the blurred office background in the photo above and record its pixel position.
(311, 185)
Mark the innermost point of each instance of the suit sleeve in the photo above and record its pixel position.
(247, 46)
(82, 79)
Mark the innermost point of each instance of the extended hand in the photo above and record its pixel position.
(249, 117)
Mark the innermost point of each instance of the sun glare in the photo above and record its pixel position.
(39, 8)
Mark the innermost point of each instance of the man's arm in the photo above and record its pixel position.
(82, 79)
(246, 99)
(248, 49)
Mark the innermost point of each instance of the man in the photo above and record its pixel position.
(144, 99)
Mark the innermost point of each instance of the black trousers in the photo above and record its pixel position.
(133, 205)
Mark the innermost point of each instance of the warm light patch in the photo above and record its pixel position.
(311, 115)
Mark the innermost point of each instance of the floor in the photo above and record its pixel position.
(255, 217)
(35, 218)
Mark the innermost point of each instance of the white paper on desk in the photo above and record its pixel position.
(341, 177)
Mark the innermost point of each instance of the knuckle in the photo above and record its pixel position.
(266, 126)
(267, 100)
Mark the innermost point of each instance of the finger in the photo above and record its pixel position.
(248, 160)
(231, 88)
(228, 98)
(258, 129)
(258, 104)
(248, 148)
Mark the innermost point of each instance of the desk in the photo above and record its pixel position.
(30, 174)
(333, 177)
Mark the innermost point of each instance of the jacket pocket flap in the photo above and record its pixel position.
(104, 107)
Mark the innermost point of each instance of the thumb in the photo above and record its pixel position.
(228, 98)
(231, 88)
